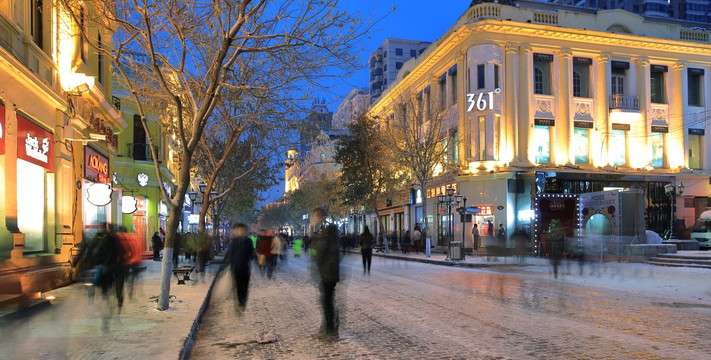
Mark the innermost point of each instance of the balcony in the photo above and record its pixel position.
(141, 152)
(624, 102)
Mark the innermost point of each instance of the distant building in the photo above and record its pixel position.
(355, 103)
(386, 61)
(318, 162)
(319, 118)
(688, 10)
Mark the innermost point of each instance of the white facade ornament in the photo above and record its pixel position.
(33, 150)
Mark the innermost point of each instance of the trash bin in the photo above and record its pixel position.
(455, 250)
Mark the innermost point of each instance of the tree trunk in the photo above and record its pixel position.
(171, 229)
(424, 228)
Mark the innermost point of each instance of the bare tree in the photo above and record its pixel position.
(420, 141)
(191, 51)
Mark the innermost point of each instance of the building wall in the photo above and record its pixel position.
(514, 43)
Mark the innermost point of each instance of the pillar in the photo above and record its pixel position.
(524, 105)
(602, 115)
(675, 140)
(563, 130)
(510, 102)
(640, 131)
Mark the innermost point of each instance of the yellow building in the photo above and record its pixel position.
(53, 104)
(544, 100)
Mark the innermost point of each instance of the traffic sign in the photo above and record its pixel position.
(473, 210)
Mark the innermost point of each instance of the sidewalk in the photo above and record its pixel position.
(686, 285)
(75, 327)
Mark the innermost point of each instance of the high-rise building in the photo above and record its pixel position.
(687, 10)
(386, 61)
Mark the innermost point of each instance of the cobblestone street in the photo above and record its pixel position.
(409, 310)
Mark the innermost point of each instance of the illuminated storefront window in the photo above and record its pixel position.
(542, 143)
(657, 142)
(618, 147)
(581, 144)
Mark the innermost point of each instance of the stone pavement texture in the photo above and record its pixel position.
(74, 327)
(411, 310)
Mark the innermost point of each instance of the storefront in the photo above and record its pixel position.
(35, 167)
(97, 194)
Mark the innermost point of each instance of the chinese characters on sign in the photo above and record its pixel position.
(35, 144)
(486, 210)
(433, 192)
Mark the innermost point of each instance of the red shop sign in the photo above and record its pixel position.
(2, 128)
(35, 144)
(96, 166)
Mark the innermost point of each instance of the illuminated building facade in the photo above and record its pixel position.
(56, 143)
(543, 100)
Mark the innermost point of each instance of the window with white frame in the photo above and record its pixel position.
(542, 73)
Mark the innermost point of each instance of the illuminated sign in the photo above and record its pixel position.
(128, 204)
(481, 102)
(99, 194)
(433, 192)
(99, 126)
(141, 207)
(142, 179)
(162, 208)
(2, 128)
(35, 144)
(193, 219)
(486, 210)
(96, 166)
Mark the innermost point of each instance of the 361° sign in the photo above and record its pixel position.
(480, 101)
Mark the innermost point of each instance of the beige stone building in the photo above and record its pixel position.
(548, 101)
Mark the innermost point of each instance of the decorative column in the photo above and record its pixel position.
(602, 115)
(462, 107)
(524, 105)
(563, 130)
(641, 131)
(18, 238)
(676, 138)
(510, 102)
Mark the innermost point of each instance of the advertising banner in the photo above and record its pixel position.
(34, 144)
(96, 166)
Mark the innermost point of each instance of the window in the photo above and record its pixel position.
(398, 52)
(696, 151)
(413, 53)
(36, 22)
(140, 149)
(542, 77)
(695, 86)
(100, 58)
(385, 54)
(542, 143)
(482, 138)
(445, 147)
(618, 147)
(398, 65)
(656, 86)
(581, 80)
(82, 27)
(581, 145)
(453, 77)
(619, 77)
(442, 93)
(657, 142)
(496, 77)
(455, 150)
(31, 189)
(480, 76)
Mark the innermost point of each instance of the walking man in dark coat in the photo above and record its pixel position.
(239, 257)
(328, 264)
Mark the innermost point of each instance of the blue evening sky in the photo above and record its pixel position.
(405, 19)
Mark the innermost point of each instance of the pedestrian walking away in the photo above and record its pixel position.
(239, 257)
(328, 264)
(157, 244)
(475, 237)
(366, 249)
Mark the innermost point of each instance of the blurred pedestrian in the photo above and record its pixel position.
(557, 245)
(130, 264)
(157, 244)
(297, 246)
(416, 237)
(275, 252)
(520, 239)
(327, 262)
(475, 237)
(264, 249)
(366, 249)
(239, 257)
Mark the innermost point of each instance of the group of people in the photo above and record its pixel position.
(324, 247)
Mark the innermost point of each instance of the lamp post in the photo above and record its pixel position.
(672, 191)
(463, 199)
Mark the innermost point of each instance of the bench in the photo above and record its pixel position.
(184, 272)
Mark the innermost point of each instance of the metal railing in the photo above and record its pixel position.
(142, 152)
(625, 102)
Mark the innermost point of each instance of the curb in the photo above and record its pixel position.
(23, 308)
(187, 348)
(446, 263)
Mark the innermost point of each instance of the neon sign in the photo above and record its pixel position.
(96, 167)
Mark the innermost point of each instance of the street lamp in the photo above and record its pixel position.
(672, 191)
(202, 187)
(462, 211)
(446, 197)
